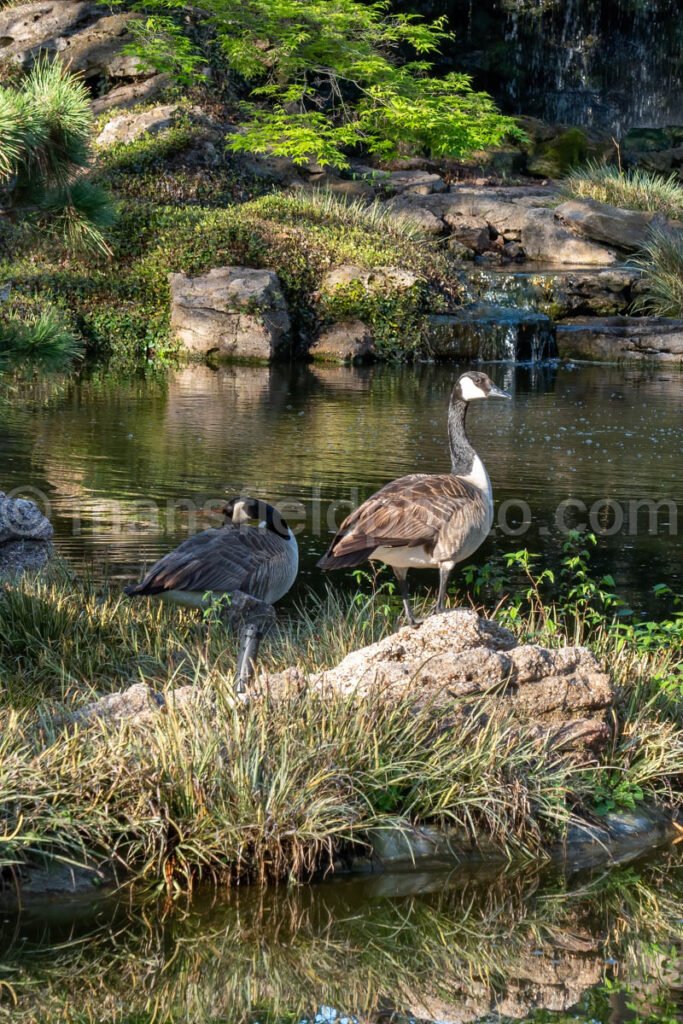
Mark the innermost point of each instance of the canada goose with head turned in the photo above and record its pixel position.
(426, 521)
(261, 561)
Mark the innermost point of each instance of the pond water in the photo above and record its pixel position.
(127, 468)
(472, 945)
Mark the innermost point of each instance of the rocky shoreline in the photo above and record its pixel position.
(501, 220)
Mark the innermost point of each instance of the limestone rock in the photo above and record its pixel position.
(621, 338)
(137, 705)
(231, 312)
(378, 280)
(560, 695)
(126, 96)
(22, 520)
(486, 219)
(28, 26)
(128, 127)
(623, 229)
(601, 292)
(97, 49)
(349, 341)
(80, 33)
(427, 221)
(544, 237)
(418, 182)
(560, 292)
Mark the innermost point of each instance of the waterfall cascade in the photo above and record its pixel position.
(611, 64)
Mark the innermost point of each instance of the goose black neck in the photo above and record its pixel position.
(274, 521)
(462, 452)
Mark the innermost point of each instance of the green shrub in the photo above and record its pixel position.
(326, 76)
(124, 308)
(661, 260)
(634, 189)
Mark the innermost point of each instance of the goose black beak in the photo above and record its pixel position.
(498, 392)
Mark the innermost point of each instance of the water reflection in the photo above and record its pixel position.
(126, 465)
(450, 948)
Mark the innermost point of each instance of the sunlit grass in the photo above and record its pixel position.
(661, 261)
(633, 189)
(280, 786)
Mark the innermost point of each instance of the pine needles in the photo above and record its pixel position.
(45, 132)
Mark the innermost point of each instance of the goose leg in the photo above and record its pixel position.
(250, 641)
(402, 577)
(444, 576)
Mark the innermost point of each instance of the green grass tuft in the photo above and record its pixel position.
(278, 788)
(661, 260)
(43, 339)
(634, 189)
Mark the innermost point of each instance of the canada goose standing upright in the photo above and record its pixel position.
(426, 521)
(261, 561)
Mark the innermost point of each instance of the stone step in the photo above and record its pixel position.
(622, 338)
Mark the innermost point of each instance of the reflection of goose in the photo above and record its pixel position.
(425, 521)
(260, 561)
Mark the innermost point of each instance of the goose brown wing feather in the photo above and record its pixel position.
(411, 511)
(224, 560)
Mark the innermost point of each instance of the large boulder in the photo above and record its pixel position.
(25, 537)
(489, 219)
(610, 225)
(349, 341)
(80, 33)
(22, 520)
(622, 339)
(381, 279)
(560, 695)
(231, 312)
(417, 182)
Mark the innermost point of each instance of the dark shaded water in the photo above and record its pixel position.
(128, 469)
(612, 64)
(472, 945)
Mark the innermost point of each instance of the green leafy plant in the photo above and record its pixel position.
(326, 76)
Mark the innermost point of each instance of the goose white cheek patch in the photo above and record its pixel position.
(470, 391)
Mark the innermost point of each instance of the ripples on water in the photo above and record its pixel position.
(124, 463)
(473, 945)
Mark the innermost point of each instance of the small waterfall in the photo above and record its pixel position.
(500, 319)
(608, 64)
